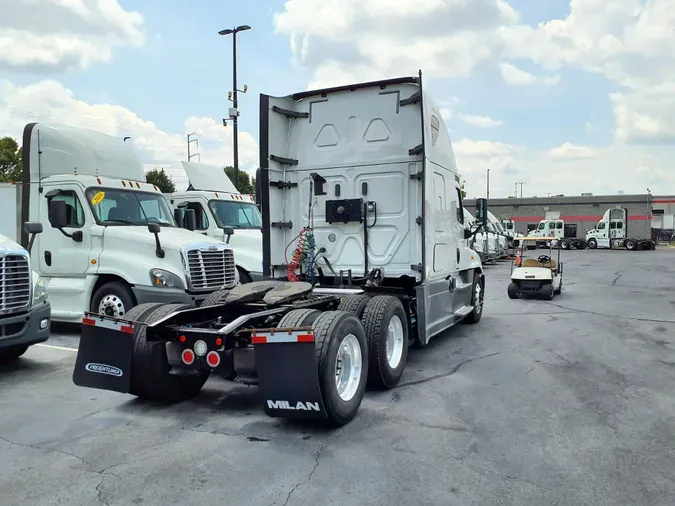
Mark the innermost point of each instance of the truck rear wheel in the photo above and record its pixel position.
(386, 325)
(354, 304)
(150, 378)
(299, 318)
(342, 361)
(114, 298)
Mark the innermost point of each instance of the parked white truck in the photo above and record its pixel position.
(25, 313)
(482, 242)
(223, 213)
(495, 226)
(110, 241)
(363, 239)
(615, 231)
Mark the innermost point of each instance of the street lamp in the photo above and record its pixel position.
(234, 113)
(488, 185)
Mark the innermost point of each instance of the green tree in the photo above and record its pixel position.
(246, 183)
(11, 160)
(161, 180)
(463, 190)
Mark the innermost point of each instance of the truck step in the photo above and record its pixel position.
(464, 310)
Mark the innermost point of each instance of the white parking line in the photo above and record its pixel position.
(51, 346)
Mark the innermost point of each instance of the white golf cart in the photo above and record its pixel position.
(535, 276)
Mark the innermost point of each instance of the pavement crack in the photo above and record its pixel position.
(620, 317)
(449, 373)
(317, 458)
(44, 449)
(618, 275)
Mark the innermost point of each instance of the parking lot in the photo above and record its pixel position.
(563, 402)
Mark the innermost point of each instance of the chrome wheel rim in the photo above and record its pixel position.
(394, 346)
(477, 303)
(111, 305)
(348, 364)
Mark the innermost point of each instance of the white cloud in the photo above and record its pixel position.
(571, 152)
(344, 41)
(479, 121)
(60, 34)
(49, 101)
(514, 76)
(645, 115)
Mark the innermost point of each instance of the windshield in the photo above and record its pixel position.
(128, 207)
(236, 214)
(542, 225)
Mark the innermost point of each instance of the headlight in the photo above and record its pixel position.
(165, 279)
(39, 290)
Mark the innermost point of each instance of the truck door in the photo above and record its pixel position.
(602, 236)
(559, 229)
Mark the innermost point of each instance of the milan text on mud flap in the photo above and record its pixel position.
(299, 406)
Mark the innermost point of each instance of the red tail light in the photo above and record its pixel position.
(213, 359)
(188, 357)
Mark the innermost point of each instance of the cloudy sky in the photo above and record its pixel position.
(567, 96)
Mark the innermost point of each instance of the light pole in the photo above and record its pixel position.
(190, 141)
(234, 113)
(488, 185)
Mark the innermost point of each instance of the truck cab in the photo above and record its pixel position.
(110, 240)
(220, 209)
(502, 238)
(25, 312)
(610, 230)
(550, 226)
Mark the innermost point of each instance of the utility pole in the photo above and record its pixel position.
(190, 141)
(234, 112)
(521, 183)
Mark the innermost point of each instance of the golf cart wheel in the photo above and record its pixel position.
(547, 291)
(150, 378)
(354, 304)
(386, 325)
(342, 361)
(592, 243)
(513, 290)
(299, 318)
(477, 299)
(215, 298)
(9, 355)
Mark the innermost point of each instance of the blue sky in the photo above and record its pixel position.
(590, 113)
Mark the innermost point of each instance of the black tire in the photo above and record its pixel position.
(215, 298)
(299, 318)
(513, 291)
(564, 244)
(120, 299)
(547, 292)
(330, 328)
(477, 300)
(150, 378)
(244, 277)
(630, 245)
(559, 290)
(379, 312)
(9, 355)
(592, 243)
(354, 304)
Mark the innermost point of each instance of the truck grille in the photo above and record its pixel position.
(15, 278)
(211, 269)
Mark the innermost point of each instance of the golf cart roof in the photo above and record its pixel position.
(537, 238)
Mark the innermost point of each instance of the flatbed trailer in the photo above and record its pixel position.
(355, 276)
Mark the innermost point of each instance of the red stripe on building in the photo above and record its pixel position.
(660, 201)
(537, 219)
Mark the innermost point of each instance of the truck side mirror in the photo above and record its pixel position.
(58, 214)
(32, 228)
(481, 212)
(228, 231)
(190, 219)
(467, 233)
(178, 216)
(155, 229)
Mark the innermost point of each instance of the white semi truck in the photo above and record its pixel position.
(615, 231)
(495, 226)
(483, 242)
(223, 213)
(25, 312)
(364, 245)
(110, 241)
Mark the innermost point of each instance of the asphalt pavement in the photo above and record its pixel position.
(563, 402)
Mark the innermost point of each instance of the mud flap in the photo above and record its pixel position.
(104, 354)
(288, 376)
